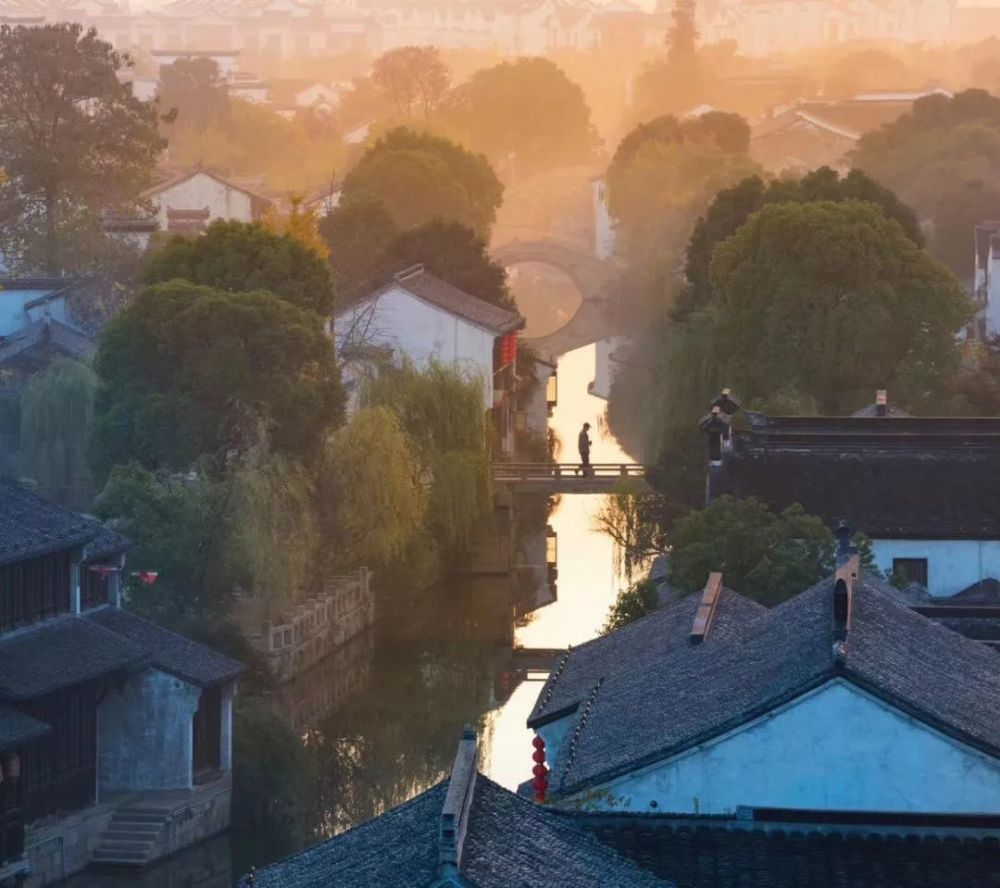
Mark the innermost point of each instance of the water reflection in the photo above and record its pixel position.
(382, 718)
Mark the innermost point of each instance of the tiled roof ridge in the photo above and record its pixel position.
(546, 696)
(577, 730)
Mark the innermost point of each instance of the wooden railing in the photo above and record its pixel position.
(523, 471)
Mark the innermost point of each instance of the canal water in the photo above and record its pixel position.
(384, 718)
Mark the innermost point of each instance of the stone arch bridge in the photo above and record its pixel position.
(597, 281)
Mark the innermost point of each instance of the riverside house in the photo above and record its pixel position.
(840, 704)
(420, 318)
(115, 734)
(922, 489)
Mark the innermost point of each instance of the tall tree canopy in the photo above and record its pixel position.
(187, 371)
(936, 158)
(455, 254)
(73, 139)
(357, 231)
(831, 299)
(240, 257)
(420, 177)
(733, 206)
(192, 92)
(525, 115)
(665, 172)
(413, 78)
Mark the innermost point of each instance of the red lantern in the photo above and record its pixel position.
(540, 771)
(538, 756)
(538, 742)
(146, 577)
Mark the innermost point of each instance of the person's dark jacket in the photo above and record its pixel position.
(583, 442)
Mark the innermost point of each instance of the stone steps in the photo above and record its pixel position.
(132, 836)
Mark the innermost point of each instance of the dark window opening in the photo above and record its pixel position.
(207, 729)
(33, 590)
(914, 569)
(93, 586)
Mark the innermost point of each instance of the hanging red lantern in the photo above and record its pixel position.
(513, 347)
(538, 756)
(146, 577)
(538, 742)
(540, 771)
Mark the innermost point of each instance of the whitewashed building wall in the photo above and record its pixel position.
(421, 332)
(952, 565)
(835, 749)
(202, 190)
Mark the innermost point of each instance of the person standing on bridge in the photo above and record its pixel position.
(583, 445)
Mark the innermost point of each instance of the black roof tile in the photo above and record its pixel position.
(646, 639)
(59, 653)
(510, 843)
(925, 669)
(52, 333)
(189, 660)
(31, 526)
(713, 853)
(17, 728)
(863, 470)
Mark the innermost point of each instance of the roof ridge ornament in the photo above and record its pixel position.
(706, 609)
(454, 822)
(843, 595)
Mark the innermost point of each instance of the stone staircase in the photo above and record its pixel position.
(133, 837)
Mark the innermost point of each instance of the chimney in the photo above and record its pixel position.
(457, 803)
(843, 593)
(706, 609)
(843, 535)
(881, 403)
(716, 426)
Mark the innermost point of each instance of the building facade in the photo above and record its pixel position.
(101, 712)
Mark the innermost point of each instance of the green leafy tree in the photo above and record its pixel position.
(866, 69)
(943, 147)
(733, 206)
(187, 371)
(664, 173)
(764, 556)
(828, 297)
(633, 603)
(192, 92)
(526, 113)
(176, 528)
(73, 139)
(420, 177)
(372, 488)
(240, 257)
(412, 78)
(358, 232)
(57, 408)
(455, 254)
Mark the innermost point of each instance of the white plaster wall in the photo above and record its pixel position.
(604, 233)
(837, 748)
(14, 315)
(952, 565)
(144, 733)
(200, 191)
(554, 733)
(993, 296)
(420, 331)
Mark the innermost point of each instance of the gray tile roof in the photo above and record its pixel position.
(922, 668)
(862, 469)
(17, 728)
(65, 651)
(510, 843)
(646, 639)
(31, 526)
(59, 336)
(429, 288)
(189, 660)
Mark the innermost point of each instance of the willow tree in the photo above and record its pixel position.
(371, 488)
(56, 411)
(441, 410)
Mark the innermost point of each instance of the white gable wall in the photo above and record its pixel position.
(200, 191)
(952, 565)
(837, 748)
(420, 331)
